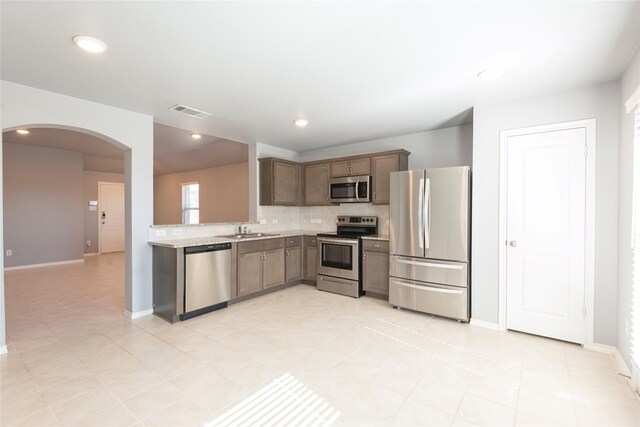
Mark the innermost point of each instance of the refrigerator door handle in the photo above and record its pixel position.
(431, 264)
(421, 214)
(429, 288)
(427, 212)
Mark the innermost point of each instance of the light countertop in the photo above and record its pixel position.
(210, 240)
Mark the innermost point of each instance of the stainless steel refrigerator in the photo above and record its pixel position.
(429, 242)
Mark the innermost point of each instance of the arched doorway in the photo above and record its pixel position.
(25, 106)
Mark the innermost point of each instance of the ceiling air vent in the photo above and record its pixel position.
(189, 111)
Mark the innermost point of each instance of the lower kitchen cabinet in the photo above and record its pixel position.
(310, 259)
(375, 267)
(273, 268)
(249, 273)
(293, 259)
(260, 265)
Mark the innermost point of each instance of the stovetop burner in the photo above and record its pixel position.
(352, 227)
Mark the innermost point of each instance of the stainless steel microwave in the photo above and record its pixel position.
(350, 189)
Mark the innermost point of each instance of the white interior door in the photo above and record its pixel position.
(546, 186)
(111, 216)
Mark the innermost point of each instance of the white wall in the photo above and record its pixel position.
(133, 132)
(599, 101)
(628, 83)
(434, 149)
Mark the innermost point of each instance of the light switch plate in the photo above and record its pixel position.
(9, 252)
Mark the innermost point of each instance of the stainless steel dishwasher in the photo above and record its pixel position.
(207, 278)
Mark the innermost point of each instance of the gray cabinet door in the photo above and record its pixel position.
(360, 166)
(375, 270)
(273, 268)
(382, 168)
(285, 184)
(249, 273)
(340, 168)
(310, 263)
(316, 184)
(293, 264)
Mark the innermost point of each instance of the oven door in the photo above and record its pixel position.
(338, 257)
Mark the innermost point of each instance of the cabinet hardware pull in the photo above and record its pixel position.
(275, 196)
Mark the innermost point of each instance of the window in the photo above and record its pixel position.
(191, 203)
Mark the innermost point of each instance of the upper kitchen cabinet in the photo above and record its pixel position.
(382, 166)
(279, 182)
(351, 167)
(316, 184)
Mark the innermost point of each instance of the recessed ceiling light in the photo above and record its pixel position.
(196, 136)
(301, 122)
(23, 131)
(490, 73)
(90, 44)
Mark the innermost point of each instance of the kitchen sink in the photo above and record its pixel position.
(249, 235)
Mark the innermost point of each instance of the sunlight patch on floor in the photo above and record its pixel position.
(285, 401)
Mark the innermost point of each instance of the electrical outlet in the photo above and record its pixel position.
(88, 243)
(161, 233)
(9, 252)
(176, 232)
(263, 221)
(274, 221)
(316, 221)
(386, 222)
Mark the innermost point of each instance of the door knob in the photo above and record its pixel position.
(513, 243)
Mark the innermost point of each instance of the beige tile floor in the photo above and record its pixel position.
(74, 359)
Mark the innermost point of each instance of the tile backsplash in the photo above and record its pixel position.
(279, 218)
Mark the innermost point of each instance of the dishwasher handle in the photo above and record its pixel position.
(207, 248)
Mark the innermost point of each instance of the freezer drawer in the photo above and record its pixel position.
(430, 298)
(427, 270)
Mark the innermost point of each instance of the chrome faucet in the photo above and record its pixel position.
(242, 230)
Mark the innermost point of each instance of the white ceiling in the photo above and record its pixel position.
(174, 150)
(356, 70)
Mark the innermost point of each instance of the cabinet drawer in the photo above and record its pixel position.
(375, 245)
(260, 245)
(292, 241)
(310, 241)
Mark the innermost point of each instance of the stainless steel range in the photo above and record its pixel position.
(339, 255)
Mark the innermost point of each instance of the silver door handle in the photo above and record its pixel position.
(429, 288)
(431, 264)
(357, 185)
(513, 243)
(427, 212)
(421, 214)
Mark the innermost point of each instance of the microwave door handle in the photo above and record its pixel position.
(357, 189)
(427, 213)
(421, 214)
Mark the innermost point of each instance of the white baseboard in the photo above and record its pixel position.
(3, 349)
(92, 254)
(609, 349)
(45, 264)
(622, 365)
(138, 314)
(486, 325)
